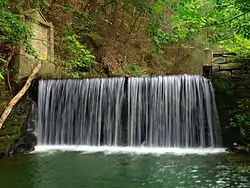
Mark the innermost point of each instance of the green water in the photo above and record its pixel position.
(77, 170)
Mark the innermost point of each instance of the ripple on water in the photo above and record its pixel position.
(74, 170)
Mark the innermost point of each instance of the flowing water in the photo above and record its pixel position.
(159, 132)
(164, 111)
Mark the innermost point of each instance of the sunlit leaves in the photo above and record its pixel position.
(215, 20)
(13, 30)
(78, 56)
(239, 45)
(143, 6)
(2, 61)
(222, 15)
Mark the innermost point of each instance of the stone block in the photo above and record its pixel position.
(22, 66)
(227, 67)
(42, 42)
(222, 74)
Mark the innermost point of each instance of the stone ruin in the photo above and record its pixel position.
(42, 42)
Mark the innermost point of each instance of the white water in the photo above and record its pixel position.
(161, 113)
(128, 150)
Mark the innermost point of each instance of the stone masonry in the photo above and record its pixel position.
(42, 42)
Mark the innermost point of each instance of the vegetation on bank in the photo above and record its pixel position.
(94, 36)
(132, 37)
(14, 126)
(13, 33)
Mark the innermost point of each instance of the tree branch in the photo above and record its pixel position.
(233, 18)
(135, 21)
(7, 68)
(20, 94)
(221, 23)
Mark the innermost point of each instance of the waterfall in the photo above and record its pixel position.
(163, 111)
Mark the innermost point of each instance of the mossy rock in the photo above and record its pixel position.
(8, 131)
(5, 144)
(14, 125)
(248, 146)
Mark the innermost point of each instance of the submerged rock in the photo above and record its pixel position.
(26, 145)
(240, 149)
(22, 146)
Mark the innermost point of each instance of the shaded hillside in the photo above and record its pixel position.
(117, 35)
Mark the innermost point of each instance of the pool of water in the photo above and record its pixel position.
(74, 169)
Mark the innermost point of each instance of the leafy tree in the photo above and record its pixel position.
(239, 45)
(79, 57)
(13, 31)
(241, 120)
(216, 20)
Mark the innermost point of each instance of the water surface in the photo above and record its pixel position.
(99, 170)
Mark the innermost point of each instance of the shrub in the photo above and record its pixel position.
(78, 56)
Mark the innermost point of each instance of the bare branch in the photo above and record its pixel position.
(20, 94)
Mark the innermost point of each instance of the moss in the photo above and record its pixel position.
(13, 119)
(14, 125)
(5, 143)
(17, 133)
(8, 141)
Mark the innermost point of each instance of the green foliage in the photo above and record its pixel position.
(222, 18)
(227, 89)
(82, 24)
(216, 21)
(41, 3)
(78, 56)
(143, 6)
(173, 21)
(157, 27)
(1, 73)
(242, 122)
(2, 61)
(13, 31)
(241, 119)
(239, 45)
(132, 68)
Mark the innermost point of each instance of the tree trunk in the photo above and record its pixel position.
(20, 94)
(7, 67)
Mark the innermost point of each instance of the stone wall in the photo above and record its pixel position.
(231, 81)
(42, 42)
(235, 72)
